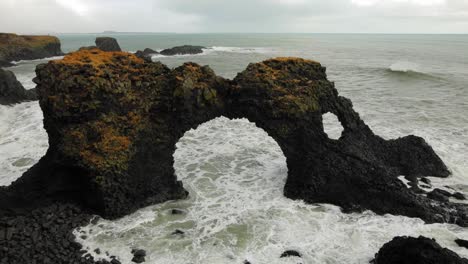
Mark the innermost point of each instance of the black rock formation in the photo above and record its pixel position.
(12, 91)
(421, 250)
(113, 128)
(183, 50)
(107, 44)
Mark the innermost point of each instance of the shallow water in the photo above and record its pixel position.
(400, 84)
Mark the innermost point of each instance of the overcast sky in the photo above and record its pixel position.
(321, 16)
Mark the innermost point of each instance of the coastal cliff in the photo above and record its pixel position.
(16, 47)
(113, 120)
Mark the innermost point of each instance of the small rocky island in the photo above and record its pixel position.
(16, 47)
(113, 120)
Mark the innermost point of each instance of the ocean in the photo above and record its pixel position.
(235, 172)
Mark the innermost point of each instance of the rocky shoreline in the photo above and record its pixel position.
(113, 120)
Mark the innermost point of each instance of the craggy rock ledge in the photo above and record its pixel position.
(113, 121)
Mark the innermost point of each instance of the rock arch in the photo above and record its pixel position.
(113, 121)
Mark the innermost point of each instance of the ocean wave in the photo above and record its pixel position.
(411, 70)
(220, 49)
(36, 60)
(240, 50)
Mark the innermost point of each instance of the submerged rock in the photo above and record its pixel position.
(107, 44)
(183, 50)
(290, 253)
(421, 250)
(113, 121)
(12, 91)
(462, 242)
(15, 47)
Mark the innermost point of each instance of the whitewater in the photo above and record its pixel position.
(235, 172)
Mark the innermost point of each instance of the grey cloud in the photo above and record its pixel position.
(390, 16)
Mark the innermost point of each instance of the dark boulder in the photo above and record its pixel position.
(183, 50)
(421, 250)
(107, 44)
(177, 212)
(113, 121)
(15, 47)
(150, 51)
(146, 54)
(12, 91)
(138, 255)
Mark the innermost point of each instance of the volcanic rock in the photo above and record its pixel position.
(15, 47)
(12, 91)
(146, 54)
(421, 250)
(107, 44)
(183, 50)
(113, 121)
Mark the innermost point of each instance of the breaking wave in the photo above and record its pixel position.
(38, 60)
(411, 70)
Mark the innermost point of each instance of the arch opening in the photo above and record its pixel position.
(332, 126)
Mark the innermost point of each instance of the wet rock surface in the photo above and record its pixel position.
(107, 44)
(12, 91)
(421, 250)
(16, 47)
(113, 120)
(183, 50)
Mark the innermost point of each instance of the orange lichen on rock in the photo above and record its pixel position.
(98, 58)
(110, 150)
